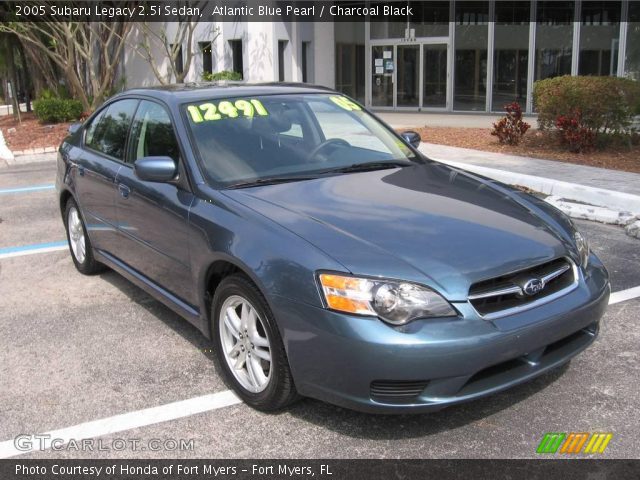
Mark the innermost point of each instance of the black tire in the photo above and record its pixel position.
(89, 265)
(280, 390)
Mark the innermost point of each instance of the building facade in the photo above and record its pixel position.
(448, 56)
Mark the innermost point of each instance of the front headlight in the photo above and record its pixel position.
(395, 302)
(583, 248)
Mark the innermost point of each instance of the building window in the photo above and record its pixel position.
(282, 50)
(350, 73)
(306, 46)
(554, 39)
(471, 39)
(511, 54)
(207, 57)
(430, 19)
(236, 56)
(599, 37)
(632, 54)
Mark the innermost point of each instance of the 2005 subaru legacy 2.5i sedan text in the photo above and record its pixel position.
(322, 254)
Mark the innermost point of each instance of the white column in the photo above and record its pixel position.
(532, 57)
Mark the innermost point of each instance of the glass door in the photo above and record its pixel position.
(383, 65)
(434, 65)
(408, 76)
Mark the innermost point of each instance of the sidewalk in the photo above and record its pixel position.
(613, 180)
(420, 119)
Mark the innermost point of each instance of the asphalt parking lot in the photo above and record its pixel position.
(77, 349)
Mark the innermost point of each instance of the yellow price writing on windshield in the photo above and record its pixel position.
(345, 103)
(208, 112)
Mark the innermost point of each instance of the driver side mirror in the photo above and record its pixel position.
(155, 169)
(412, 138)
(74, 127)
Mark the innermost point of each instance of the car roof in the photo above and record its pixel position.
(186, 92)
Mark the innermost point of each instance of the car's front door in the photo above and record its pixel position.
(153, 216)
(96, 165)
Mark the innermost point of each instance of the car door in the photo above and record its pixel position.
(153, 216)
(96, 164)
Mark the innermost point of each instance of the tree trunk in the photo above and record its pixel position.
(27, 84)
(14, 81)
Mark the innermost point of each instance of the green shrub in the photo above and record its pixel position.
(223, 75)
(605, 105)
(56, 110)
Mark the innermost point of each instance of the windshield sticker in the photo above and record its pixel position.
(344, 102)
(209, 112)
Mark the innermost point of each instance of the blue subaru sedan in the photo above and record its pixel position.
(321, 253)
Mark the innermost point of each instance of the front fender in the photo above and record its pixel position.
(279, 262)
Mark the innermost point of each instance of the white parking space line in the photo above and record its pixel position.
(624, 295)
(126, 421)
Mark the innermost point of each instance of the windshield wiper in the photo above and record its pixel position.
(369, 166)
(271, 181)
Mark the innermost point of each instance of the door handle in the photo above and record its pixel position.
(80, 171)
(124, 190)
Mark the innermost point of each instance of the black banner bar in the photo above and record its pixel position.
(543, 469)
(213, 11)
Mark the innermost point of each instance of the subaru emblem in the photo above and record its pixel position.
(533, 286)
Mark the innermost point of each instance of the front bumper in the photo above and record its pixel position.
(365, 364)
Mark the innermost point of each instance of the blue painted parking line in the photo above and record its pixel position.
(34, 188)
(32, 249)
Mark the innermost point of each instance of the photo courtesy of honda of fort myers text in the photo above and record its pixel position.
(296, 239)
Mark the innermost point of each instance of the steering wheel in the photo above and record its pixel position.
(332, 142)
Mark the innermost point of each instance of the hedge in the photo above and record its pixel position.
(223, 75)
(56, 110)
(603, 104)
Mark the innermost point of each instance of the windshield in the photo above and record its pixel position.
(241, 141)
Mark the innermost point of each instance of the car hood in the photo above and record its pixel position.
(427, 223)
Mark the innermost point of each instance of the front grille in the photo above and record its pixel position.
(392, 391)
(506, 294)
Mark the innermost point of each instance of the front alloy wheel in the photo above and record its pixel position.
(248, 347)
(245, 344)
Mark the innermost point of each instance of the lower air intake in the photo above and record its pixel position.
(392, 391)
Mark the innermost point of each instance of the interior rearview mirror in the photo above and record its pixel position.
(412, 138)
(155, 169)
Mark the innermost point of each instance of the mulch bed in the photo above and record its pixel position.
(534, 144)
(30, 133)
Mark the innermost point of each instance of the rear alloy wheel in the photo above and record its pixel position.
(248, 346)
(79, 243)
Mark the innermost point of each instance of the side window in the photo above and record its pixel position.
(294, 131)
(110, 133)
(152, 133)
(337, 123)
(93, 127)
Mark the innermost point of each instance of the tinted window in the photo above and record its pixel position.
(110, 134)
(93, 126)
(152, 133)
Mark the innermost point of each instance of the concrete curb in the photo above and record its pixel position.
(589, 212)
(32, 158)
(618, 201)
(5, 153)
